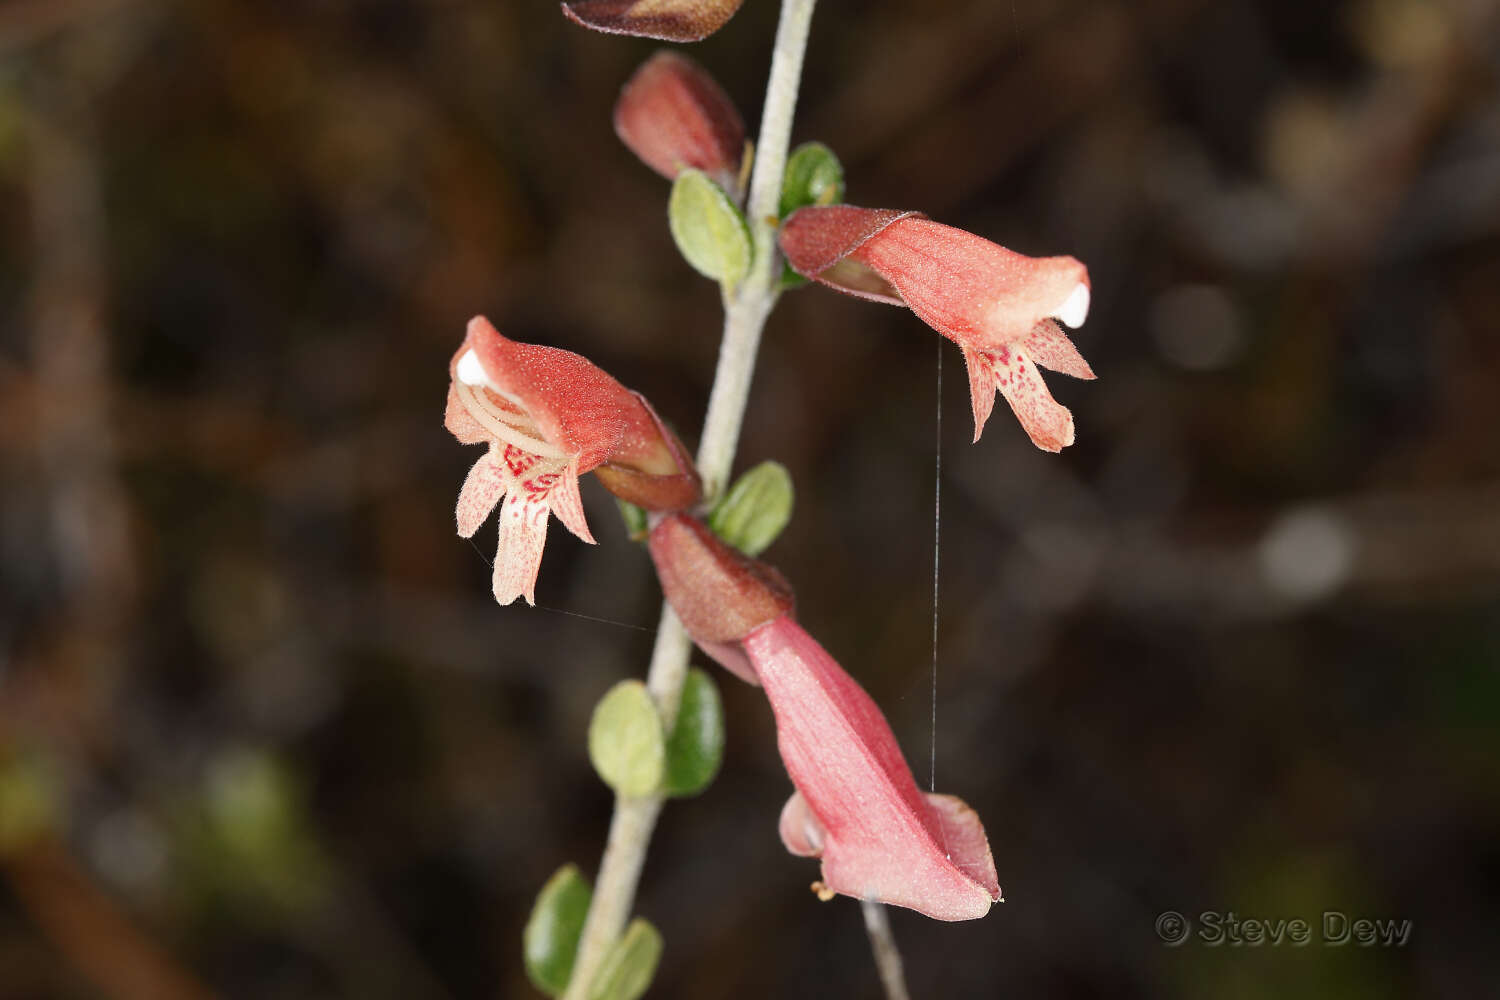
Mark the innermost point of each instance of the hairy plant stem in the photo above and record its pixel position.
(745, 312)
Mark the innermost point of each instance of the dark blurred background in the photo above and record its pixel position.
(264, 734)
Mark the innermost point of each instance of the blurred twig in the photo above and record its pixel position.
(89, 928)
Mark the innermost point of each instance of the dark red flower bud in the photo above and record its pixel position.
(719, 594)
(673, 115)
(668, 20)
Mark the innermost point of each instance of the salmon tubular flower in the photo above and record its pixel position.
(549, 416)
(857, 806)
(673, 115)
(1000, 307)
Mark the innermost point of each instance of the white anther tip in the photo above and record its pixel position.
(470, 371)
(1075, 308)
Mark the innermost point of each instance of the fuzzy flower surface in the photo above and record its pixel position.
(548, 416)
(673, 115)
(857, 806)
(1002, 308)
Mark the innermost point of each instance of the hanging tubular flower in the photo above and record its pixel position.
(667, 20)
(1002, 308)
(549, 416)
(673, 115)
(857, 805)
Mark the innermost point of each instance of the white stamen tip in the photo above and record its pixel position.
(471, 372)
(1075, 308)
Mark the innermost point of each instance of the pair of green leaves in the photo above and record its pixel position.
(550, 943)
(711, 231)
(636, 756)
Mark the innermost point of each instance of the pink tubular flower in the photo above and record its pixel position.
(673, 115)
(1002, 308)
(549, 416)
(856, 805)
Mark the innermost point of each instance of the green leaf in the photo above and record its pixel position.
(626, 742)
(708, 228)
(790, 279)
(696, 747)
(550, 941)
(627, 970)
(636, 526)
(755, 510)
(813, 176)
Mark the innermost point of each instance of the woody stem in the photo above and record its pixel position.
(746, 310)
(745, 315)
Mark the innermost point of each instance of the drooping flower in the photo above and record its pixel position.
(856, 806)
(1002, 308)
(549, 416)
(667, 20)
(673, 115)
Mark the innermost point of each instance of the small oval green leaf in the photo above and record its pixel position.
(755, 510)
(708, 228)
(813, 176)
(626, 742)
(627, 970)
(696, 747)
(550, 941)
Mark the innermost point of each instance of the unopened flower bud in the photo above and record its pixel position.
(674, 116)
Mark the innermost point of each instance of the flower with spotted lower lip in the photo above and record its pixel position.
(549, 416)
(1001, 307)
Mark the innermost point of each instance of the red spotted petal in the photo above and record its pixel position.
(568, 505)
(1050, 347)
(484, 486)
(518, 558)
(1047, 422)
